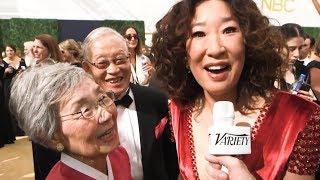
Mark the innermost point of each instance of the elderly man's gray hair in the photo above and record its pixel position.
(95, 35)
(35, 94)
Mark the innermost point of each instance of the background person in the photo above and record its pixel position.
(67, 111)
(293, 37)
(308, 45)
(12, 64)
(28, 55)
(314, 68)
(46, 51)
(71, 52)
(3, 128)
(141, 68)
(209, 51)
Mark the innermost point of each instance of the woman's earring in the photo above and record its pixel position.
(244, 42)
(59, 147)
(188, 68)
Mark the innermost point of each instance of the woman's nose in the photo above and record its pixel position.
(214, 46)
(296, 53)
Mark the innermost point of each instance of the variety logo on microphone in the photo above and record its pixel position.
(231, 139)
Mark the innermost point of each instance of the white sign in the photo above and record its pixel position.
(303, 12)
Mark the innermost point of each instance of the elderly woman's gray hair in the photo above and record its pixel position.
(35, 94)
(96, 34)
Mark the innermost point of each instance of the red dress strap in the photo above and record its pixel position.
(182, 131)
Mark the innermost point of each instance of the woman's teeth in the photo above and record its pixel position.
(217, 69)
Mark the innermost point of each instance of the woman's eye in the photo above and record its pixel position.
(291, 49)
(229, 30)
(198, 34)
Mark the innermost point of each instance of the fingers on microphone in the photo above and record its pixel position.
(215, 173)
(228, 161)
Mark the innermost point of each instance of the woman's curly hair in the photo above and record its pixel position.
(262, 44)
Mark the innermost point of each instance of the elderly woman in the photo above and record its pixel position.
(61, 107)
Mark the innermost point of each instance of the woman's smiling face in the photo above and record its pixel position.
(83, 136)
(216, 48)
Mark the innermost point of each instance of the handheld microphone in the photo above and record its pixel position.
(224, 137)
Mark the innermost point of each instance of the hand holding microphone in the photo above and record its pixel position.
(236, 168)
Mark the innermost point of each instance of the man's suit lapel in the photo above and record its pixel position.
(146, 122)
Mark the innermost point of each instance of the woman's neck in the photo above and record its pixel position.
(99, 162)
(132, 57)
(12, 59)
(210, 99)
(132, 53)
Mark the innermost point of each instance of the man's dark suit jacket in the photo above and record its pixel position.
(159, 157)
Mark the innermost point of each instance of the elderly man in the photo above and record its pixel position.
(28, 55)
(143, 128)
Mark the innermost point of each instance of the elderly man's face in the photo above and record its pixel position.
(109, 64)
(28, 49)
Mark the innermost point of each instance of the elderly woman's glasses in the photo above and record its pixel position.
(104, 64)
(104, 101)
(130, 36)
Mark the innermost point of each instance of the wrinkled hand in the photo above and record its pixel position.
(237, 169)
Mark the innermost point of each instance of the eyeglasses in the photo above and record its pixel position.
(104, 64)
(88, 112)
(130, 36)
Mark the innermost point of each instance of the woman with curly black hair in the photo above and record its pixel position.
(226, 50)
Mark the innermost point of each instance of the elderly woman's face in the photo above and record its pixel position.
(40, 52)
(216, 48)
(86, 136)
